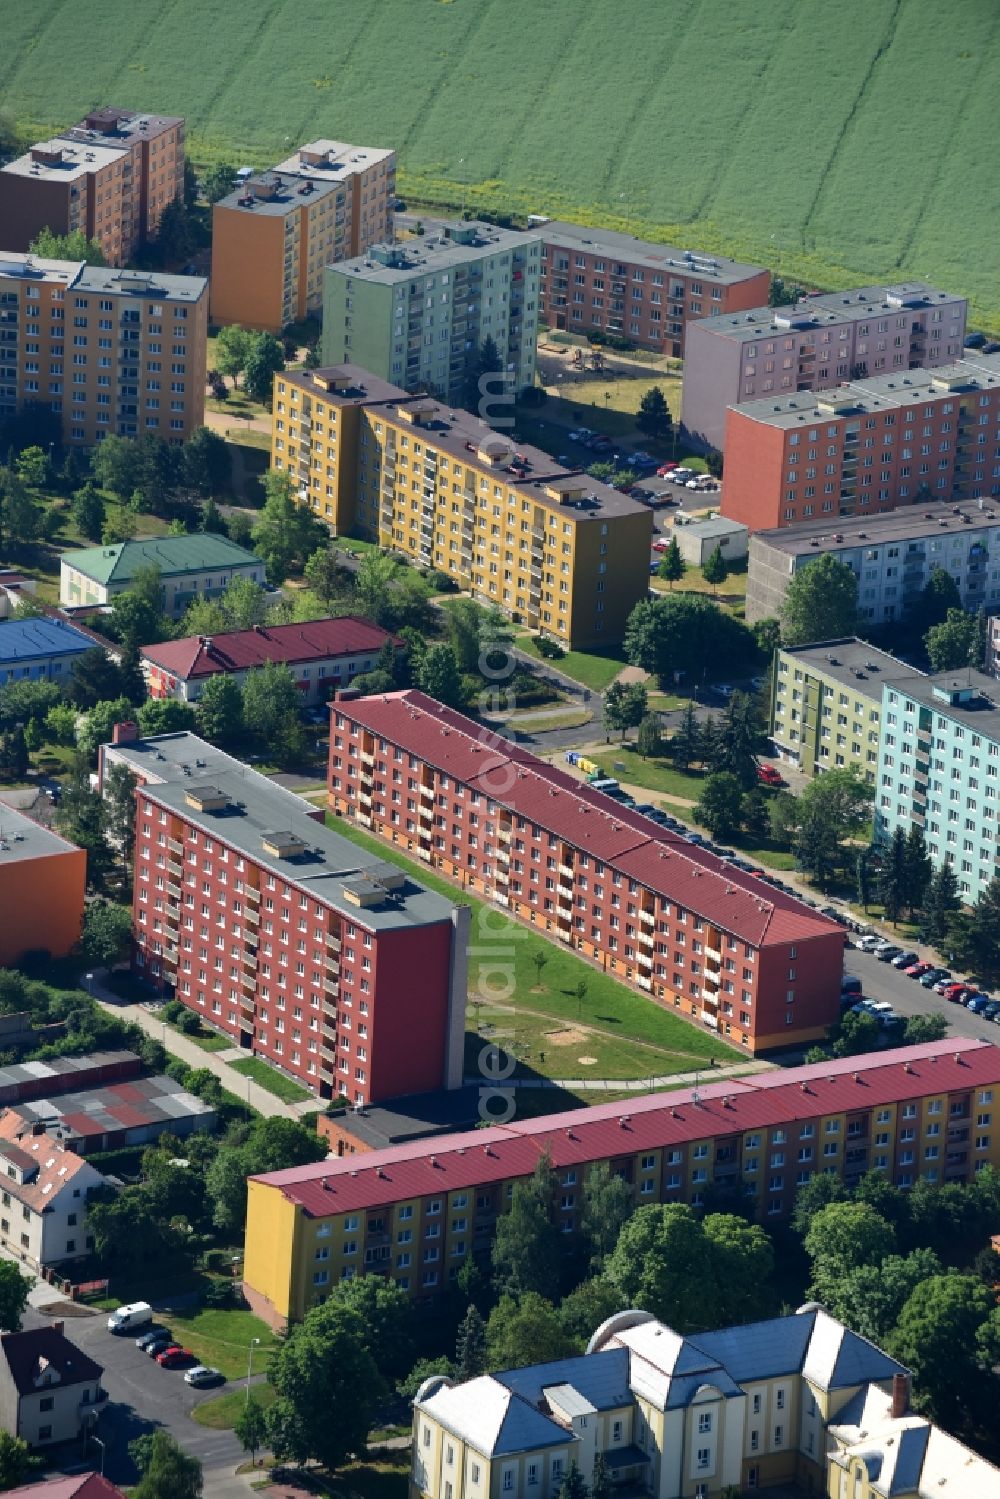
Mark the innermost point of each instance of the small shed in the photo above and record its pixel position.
(698, 539)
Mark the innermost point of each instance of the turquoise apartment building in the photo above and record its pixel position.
(939, 767)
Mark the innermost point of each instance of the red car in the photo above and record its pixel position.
(917, 970)
(954, 992)
(665, 469)
(660, 546)
(770, 776)
(174, 1357)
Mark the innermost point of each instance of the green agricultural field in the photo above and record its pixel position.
(836, 143)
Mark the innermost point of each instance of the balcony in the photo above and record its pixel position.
(332, 986)
(426, 814)
(427, 791)
(333, 942)
(710, 996)
(646, 959)
(714, 954)
(648, 916)
(567, 870)
(504, 835)
(175, 868)
(646, 938)
(175, 847)
(564, 897)
(252, 893)
(174, 890)
(249, 983)
(252, 916)
(367, 759)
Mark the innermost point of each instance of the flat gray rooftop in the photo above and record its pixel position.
(21, 839)
(855, 664)
(120, 283)
(827, 310)
(277, 193)
(626, 247)
(321, 862)
(890, 392)
(981, 713)
(712, 525)
(432, 253)
(910, 523)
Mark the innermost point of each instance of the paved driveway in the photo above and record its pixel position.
(142, 1397)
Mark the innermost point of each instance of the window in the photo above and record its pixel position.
(508, 1481)
(704, 1456)
(704, 1423)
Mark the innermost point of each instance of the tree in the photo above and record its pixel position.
(606, 1206)
(587, 1306)
(485, 376)
(939, 595)
(720, 805)
(892, 877)
(686, 741)
(672, 565)
(15, 1460)
(32, 467)
(816, 1193)
(88, 511)
(20, 516)
(98, 724)
(265, 358)
(115, 465)
(953, 642)
(232, 348)
(979, 651)
(440, 678)
(922, 1028)
(14, 758)
(251, 1428)
(653, 417)
(870, 1298)
(386, 1314)
(525, 1330)
(685, 634)
(470, 1346)
(82, 817)
(527, 1243)
(424, 1368)
(174, 233)
(649, 740)
(916, 868)
(107, 929)
(941, 902)
(286, 533)
(821, 602)
(735, 741)
(206, 464)
(14, 1288)
(167, 1471)
(73, 246)
(325, 576)
(219, 709)
(465, 621)
(715, 569)
(165, 715)
(218, 181)
(60, 724)
(323, 1365)
(660, 1265)
(271, 710)
(948, 1334)
(375, 572)
(539, 957)
(832, 808)
(741, 1261)
(840, 1237)
(625, 706)
(574, 1485)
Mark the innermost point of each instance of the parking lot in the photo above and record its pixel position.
(880, 981)
(142, 1396)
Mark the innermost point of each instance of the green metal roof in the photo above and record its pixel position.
(173, 555)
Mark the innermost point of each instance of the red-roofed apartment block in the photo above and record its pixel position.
(416, 1212)
(759, 967)
(322, 655)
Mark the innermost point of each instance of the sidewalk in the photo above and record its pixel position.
(704, 1074)
(218, 1062)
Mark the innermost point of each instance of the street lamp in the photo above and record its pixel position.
(95, 1438)
(253, 1344)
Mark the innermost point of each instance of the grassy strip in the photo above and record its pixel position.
(267, 1077)
(635, 1035)
(222, 1339)
(222, 1413)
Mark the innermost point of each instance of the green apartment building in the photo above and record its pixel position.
(826, 704)
(939, 768)
(415, 313)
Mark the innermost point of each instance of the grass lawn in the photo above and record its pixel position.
(665, 702)
(586, 667)
(731, 592)
(222, 1413)
(222, 1339)
(629, 1034)
(548, 720)
(626, 391)
(628, 766)
(249, 437)
(207, 1040)
(275, 1082)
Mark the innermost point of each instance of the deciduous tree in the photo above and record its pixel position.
(219, 710)
(527, 1244)
(720, 805)
(525, 1330)
(821, 602)
(322, 1366)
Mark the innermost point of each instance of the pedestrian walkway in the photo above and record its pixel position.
(188, 1051)
(706, 1074)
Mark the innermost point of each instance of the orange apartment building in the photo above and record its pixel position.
(760, 968)
(417, 1212)
(107, 350)
(866, 447)
(635, 289)
(273, 235)
(42, 884)
(111, 176)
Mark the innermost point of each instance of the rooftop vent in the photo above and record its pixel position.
(206, 798)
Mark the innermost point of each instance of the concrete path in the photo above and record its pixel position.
(182, 1046)
(649, 1084)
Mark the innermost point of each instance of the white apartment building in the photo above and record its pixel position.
(43, 1197)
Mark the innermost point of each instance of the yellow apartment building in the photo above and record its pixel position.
(554, 549)
(417, 1211)
(738, 1409)
(105, 350)
(272, 236)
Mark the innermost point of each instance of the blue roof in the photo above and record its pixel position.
(23, 640)
(760, 1350)
(860, 1362)
(602, 1378)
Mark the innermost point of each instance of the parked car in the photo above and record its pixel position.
(976, 1003)
(665, 470)
(770, 776)
(954, 993)
(130, 1317)
(904, 960)
(201, 1376)
(887, 953)
(917, 970)
(157, 1345)
(935, 977)
(154, 1335)
(174, 1357)
(990, 1010)
(868, 943)
(850, 985)
(681, 475)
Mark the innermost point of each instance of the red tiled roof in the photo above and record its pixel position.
(237, 650)
(76, 1486)
(449, 1163)
(593, 822)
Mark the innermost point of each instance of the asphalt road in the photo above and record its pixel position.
(142, 1397)
(882, 981)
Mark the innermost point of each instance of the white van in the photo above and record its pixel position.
(131, 1316)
